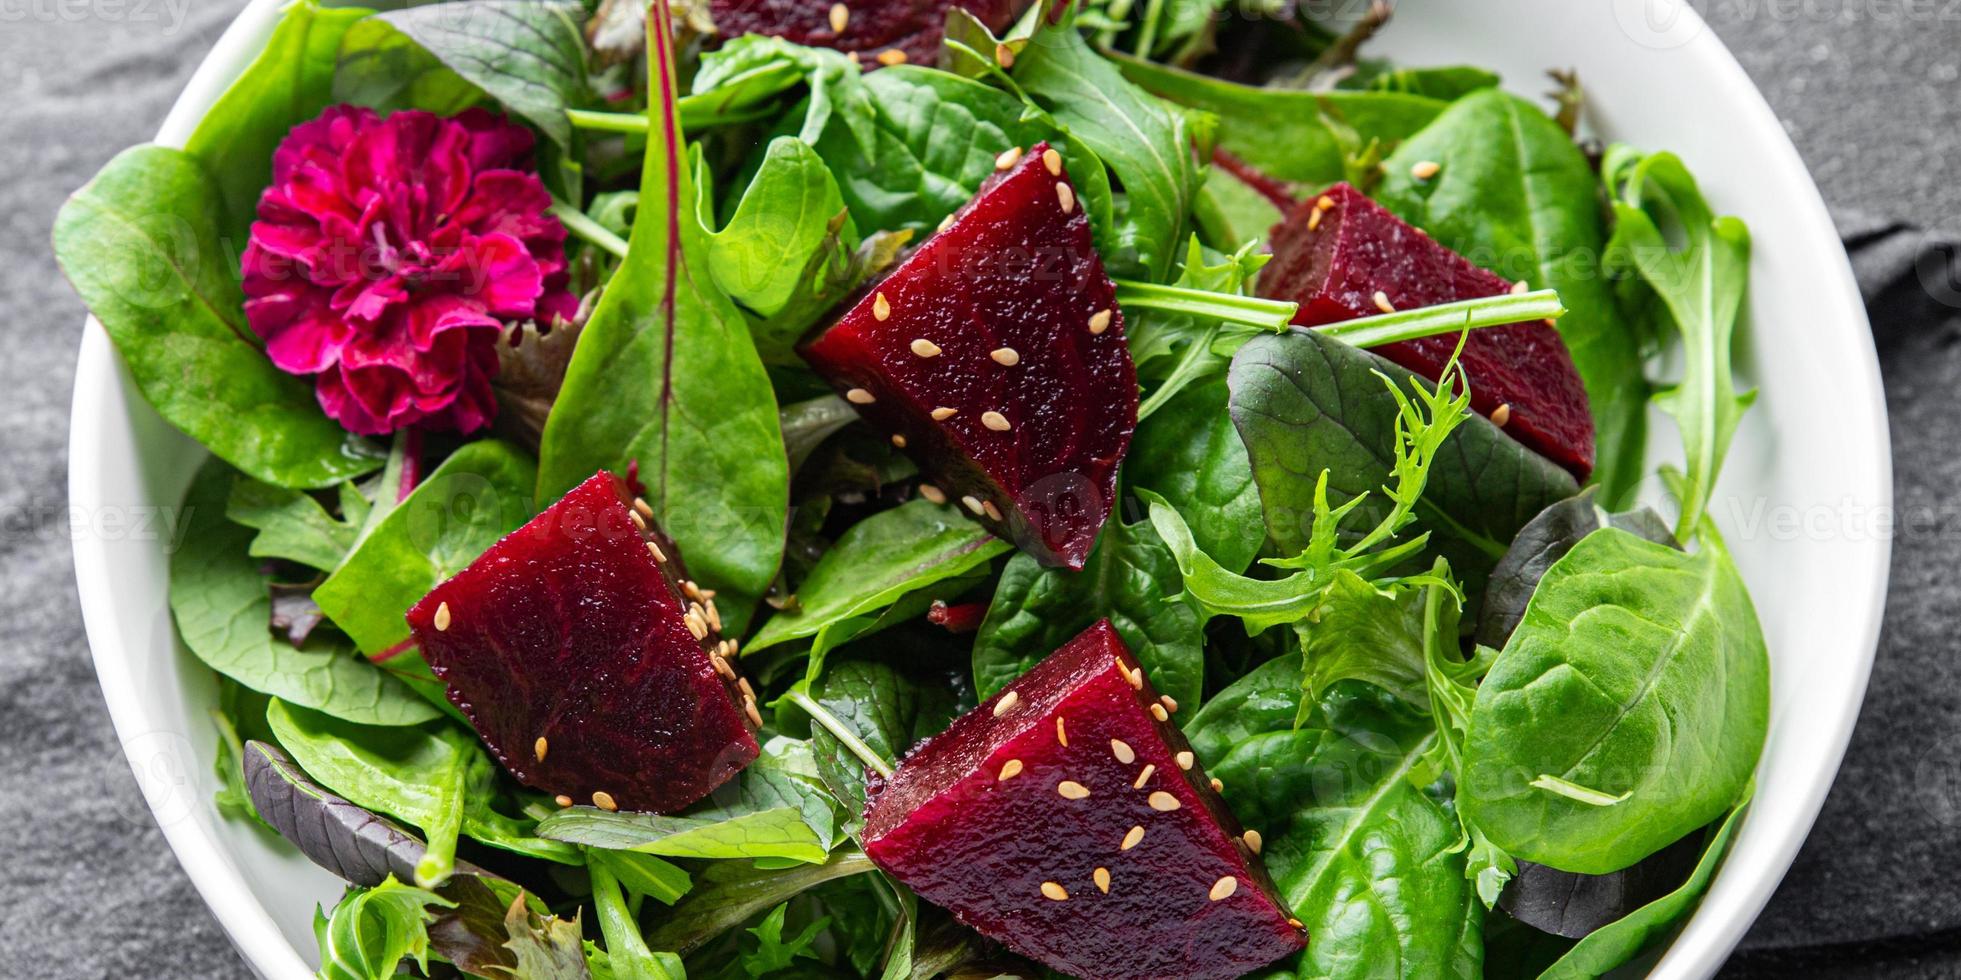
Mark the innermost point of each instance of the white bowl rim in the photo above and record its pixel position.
(1697, 951)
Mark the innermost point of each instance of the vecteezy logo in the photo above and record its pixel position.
(1658, 24)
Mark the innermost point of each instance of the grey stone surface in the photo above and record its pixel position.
(1867, 87)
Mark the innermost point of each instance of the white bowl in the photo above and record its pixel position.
(1804, 499)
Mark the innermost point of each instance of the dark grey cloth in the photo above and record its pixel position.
(89, 889)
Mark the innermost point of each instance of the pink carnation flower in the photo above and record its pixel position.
(389, 256)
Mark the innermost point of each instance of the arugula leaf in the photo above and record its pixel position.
(1131, 578)
(666, 375)
(1627, 709)
(779, 832)
(1289, 134)
(374, 929)
(775, 953)
(144, 245)
(1701, 285)
(779, 227)
(1515, 195)
(1145, 143)
(529, 56)
(288, 83)
(1308, 405)
(219, 600)
(933, 140)
(880, 559)
(294, 526)
(728, 893)
(478, 495)
(1619, 942)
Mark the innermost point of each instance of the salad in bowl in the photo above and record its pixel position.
(966, 488)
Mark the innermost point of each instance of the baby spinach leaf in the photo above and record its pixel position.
(1130, 577)
(479, 494)
(888, 709)
(1617, 943)
(779, 832)
(1701, 285)
(1190, 454)
(289, 82)
(219, 600)
(294, 526)
(751, 70)
(780, 224)
(144, 245)
(1305, 403)
(528, 55)
(880, 559)
(386, 70)
(1544, 540)
(374, 929)
(1146, 144)
(933, 140)
(417, 774)
(727, 893)
(1365, 858)
(666, 375)
(1289, 134)
(1264, 699)
(1627, 709)
(1515, 196)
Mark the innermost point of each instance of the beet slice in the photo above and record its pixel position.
(587, 660)
(1335, 253)
(871, 27)
(1057, 818)
(995, 356)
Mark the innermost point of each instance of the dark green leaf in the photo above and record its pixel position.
(294, 526)
(1304, 403)
(219, 600)
(1515, 196)
(1189, 453)
(888, 709)
(666, 375)
(144, 246)
(528, 55)
(384, 69)
(1130, 578)
(727, 893)
(1545, 540)
(1627, 710)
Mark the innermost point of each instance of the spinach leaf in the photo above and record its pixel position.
(1305, 404)
(1516, 196)
(1701, 285)
(384, 69)
(933, 140)
(219, 600)
(1544, 540)
(1130, 578)
(1627, 709)
(727, 893)
(779, 226)
(144, 245)
(1264, 699)
(1365, 858)
(1289, 134)
(294, 526)
(880, 559)
(528, 55)
(1146, 144)
(479, 494)
(751, 70)
(1190, 454)
(780, 832)
(418, 774)
(889, 709)
(1617, 943)
(666, 375)
(374, 929)
(289, 82)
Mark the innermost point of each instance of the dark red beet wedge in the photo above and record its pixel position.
(588, 661)
(1335, 253)
(995, 356)
(1060, 817)
(871, 27)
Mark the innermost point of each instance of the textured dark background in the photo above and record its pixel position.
(1867, 88)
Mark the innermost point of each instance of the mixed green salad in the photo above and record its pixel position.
(749, 399)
